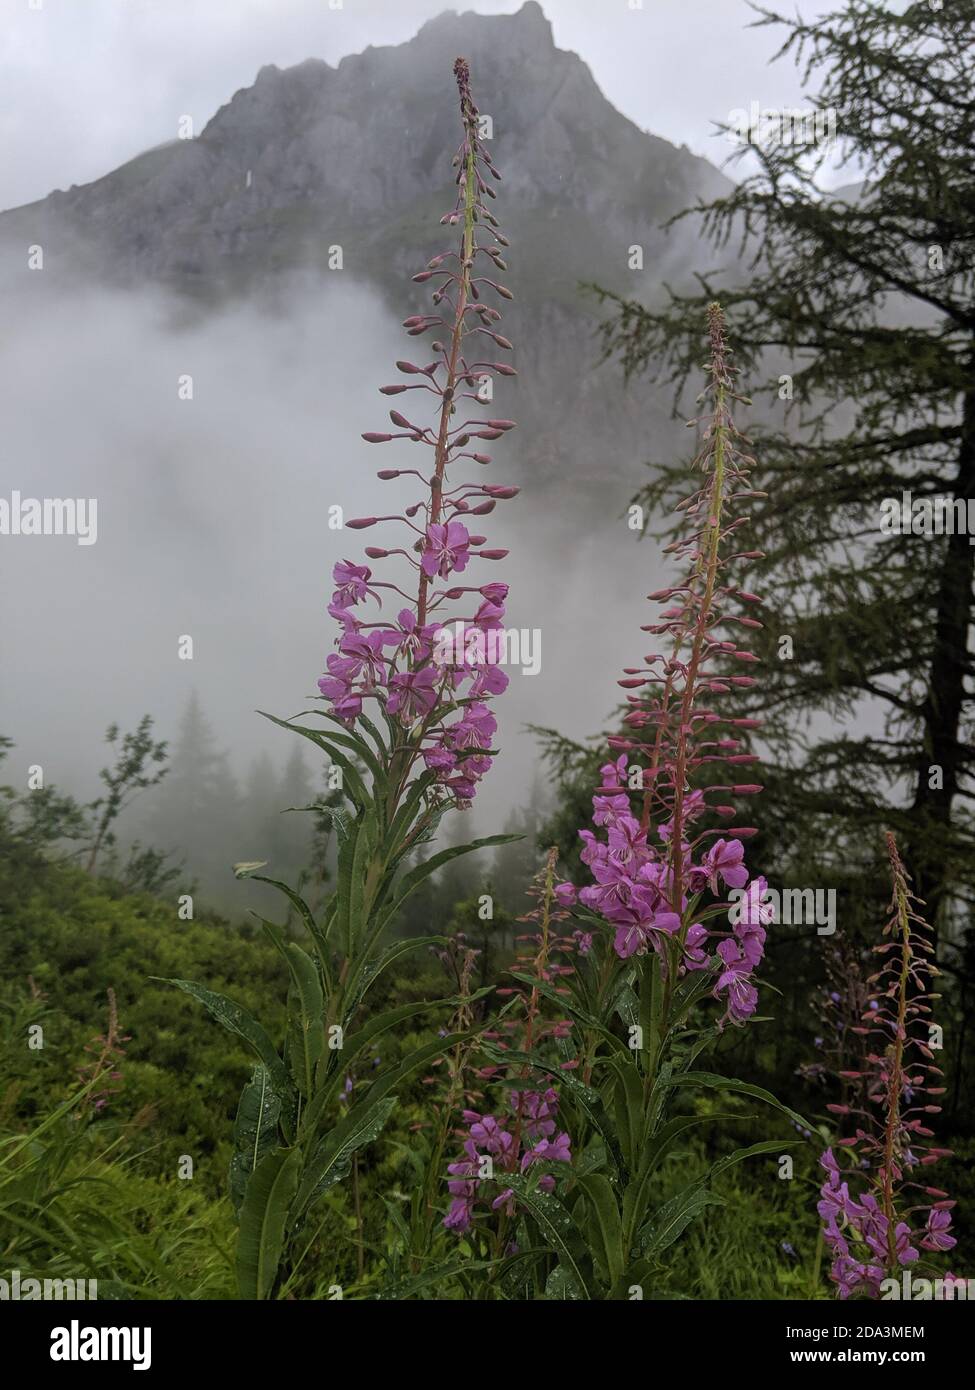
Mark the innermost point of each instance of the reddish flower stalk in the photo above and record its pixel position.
(873, 1237)
(418, 681)
(490, 1146)
(650, 892)
(109, 1049)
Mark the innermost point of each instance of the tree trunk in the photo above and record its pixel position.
(944, 704)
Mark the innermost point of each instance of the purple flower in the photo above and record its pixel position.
(446, 549)
(552, 1150)
(535, 1112)
(413, 693)
(936, 1235)
(458, 1218)
(903, 1249)
(725, 860)
(695, 956)
(406, 637)
(352, 581)
(390, 662)
(852, 1276)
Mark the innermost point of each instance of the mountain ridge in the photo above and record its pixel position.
(357, 155)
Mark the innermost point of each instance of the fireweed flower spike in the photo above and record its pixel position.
(649, 860)
(406, 723)
(644, 961)
(872, 1223)
(496, 1145)
(431, 669)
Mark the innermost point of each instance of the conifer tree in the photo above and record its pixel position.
(198, 806)
(857, 311)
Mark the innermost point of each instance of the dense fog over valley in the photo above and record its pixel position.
(213, 522)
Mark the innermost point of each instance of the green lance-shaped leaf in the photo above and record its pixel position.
(368, 969)
(386, 1080)
(379, 1024)
(307, 1025)
(304, 911)
(363, 721)
(689, 992)
(358, 746)
(767, 1146)
(236, 1019)
(603, 1225)
(672, 1219)
(352, 782)
(365, 873)
(568, 1005)
(630, 1107)
(264, 1222)
(332, 1159)
(444, 1271)
(711, 1081)
(636, 1198)
(255, 1131)
(401, 835)
(557, 1227)
(347, 837)
(412, 880)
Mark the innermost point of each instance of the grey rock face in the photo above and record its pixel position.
(359, 156)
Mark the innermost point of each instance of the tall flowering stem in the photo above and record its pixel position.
(434, 663)
(498, 1148)
(408, 728)
(872, 1224)
(108, 1051)
(652, 950)
(652, 870)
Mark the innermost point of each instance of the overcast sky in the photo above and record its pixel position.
(87, 84)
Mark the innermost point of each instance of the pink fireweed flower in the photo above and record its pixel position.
(396, 666)
(725, 860)
(352, 583)
(413, 694)
(446, 550)
(410, 642)
(936, 1236)
(534, 1140)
